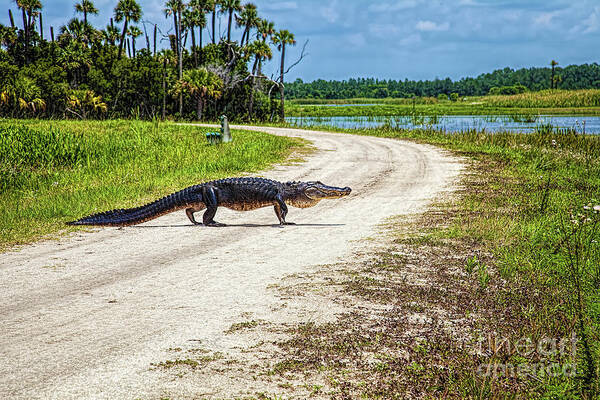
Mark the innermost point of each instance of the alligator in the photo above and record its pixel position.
(240, 194)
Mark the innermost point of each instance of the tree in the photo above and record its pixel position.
(553, 79)
(110, 35)
(175, 7)
(85, 102)
(134, 32)
(8, 36)
(261, 51)
(211, 6)
(86, 7)
(281, 39)
(30, 9)
(171, 9)
(193, 17)
(127, 10)
(78, 31)
(200, 84)
(230, 6)
(264, 29)
(248, 18)
(24, 95)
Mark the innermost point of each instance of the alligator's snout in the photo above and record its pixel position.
(339, 192)
(345, 191)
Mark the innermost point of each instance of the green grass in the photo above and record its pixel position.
(55, 171)
(534, 206)
(547, 102)
(547, 99)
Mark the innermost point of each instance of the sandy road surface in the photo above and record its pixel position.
(84, 317)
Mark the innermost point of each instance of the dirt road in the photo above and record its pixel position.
(86, 316)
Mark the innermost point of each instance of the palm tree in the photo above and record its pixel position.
(553, 81)
(23, 94)
(75, 58)
(127, 10)
(200, 84)
(86, 7)
(175, 8)
(194, 17)
(211, 6)
(134, 32)
(76, 30)
(281, 39)
(8, 36)
(171, 9)
(110, 34)
(30, 9)
(261, 50)
(264, 29)
(248, 18)
(229, 6)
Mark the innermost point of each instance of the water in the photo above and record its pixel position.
(455, 123)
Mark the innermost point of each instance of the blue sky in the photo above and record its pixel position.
(414, 39)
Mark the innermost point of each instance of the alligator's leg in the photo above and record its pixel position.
(209, 198)
(190, 213)
(281, 211)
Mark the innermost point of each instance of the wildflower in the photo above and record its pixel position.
(553, 143)
(597, 208)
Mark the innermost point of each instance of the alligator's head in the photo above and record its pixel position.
(307, 194)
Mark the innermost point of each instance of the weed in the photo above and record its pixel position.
(55, 171)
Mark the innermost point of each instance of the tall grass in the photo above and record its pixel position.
(54, 171)
(547, 98)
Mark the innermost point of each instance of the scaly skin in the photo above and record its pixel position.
(241, 194)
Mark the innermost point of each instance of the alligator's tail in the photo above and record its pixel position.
(132, 216)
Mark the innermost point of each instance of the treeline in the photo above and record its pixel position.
(507, 80)
(116, 71)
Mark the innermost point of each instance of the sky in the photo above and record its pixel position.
(402, 39)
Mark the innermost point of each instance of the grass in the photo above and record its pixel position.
(517, 256)
(547, 102)
(548, 99)
(55, 171)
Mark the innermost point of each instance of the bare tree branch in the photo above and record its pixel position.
(302, 55)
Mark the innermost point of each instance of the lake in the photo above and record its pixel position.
(455, 123)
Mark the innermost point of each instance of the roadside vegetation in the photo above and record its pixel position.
(513, 259)
(55, 171)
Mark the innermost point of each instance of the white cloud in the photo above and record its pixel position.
(356, 40)
(384, 31)
(545, 19)
(592, 23)
(330, 13)
(414, 38)
(430, 26)
(395, 6)
(281, 6)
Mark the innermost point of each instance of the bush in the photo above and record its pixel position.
(508, 90)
